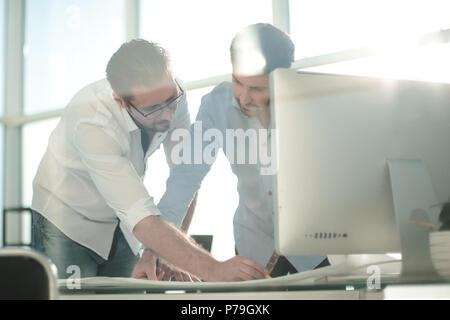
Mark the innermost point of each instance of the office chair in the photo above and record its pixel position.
(25, 274)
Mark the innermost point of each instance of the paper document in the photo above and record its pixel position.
(334, 274)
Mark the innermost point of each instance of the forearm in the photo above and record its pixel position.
(190, 214)
(172, 245)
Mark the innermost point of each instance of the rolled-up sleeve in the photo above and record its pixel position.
(113, 174)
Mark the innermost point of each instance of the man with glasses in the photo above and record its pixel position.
(241, 106)
(91, 210)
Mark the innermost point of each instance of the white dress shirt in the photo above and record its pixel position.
(253, 219)
(91, 176)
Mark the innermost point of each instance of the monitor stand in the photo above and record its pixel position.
(413, 197)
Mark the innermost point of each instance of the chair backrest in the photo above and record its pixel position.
(25, 274)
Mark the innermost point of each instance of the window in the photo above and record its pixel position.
(34, 143)
(2, 96)
(67, 46)
(425, 64)
(198, 33)
(324, 26)
(2, 55)
(391, 28)
(2, 159)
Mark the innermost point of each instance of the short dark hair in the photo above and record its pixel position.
(136, 63)
(274, 46)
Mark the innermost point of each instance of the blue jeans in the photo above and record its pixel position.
(66, 253)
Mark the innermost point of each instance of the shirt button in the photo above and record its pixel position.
(270, 193)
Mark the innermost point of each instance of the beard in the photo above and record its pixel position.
(151, 125)
(247, 112)
(250, 110)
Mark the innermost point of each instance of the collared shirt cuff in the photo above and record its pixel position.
(140, 210)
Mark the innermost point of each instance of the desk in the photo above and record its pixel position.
(270, 295)
(283, 288)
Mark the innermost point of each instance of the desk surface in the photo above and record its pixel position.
(392, 292)
(269, 295)
(294, 287)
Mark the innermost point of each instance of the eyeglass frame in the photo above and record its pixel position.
(160, 107)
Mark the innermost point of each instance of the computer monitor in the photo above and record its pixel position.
(360, 161)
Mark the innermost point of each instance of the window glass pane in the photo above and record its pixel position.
(427, 64)
(2, 54)
(2, 99)
(217, 201)
(67, 45)
(195, 99)
(34, 143)
(323, 26)
(2, 153)
(198, 33)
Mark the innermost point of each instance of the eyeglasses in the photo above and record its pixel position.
(157, 109)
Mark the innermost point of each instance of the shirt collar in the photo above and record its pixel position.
(130, 124)
(133, 126)
(106, 96)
